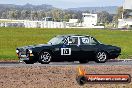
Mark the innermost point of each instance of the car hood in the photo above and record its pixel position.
(110, 46)
(33, 46)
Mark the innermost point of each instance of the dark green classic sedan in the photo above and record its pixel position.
(68, 48)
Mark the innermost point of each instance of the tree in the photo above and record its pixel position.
(127, 13)
(25, 14)
(4, 15)
(119, 12)
(57, 14)
(105, 17)
(16, 14)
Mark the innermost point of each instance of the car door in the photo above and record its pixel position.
(88, 47)
(70, 50)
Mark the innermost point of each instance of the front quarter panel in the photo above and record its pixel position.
(112, 51)
(38, 50)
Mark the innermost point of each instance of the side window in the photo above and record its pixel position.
(73, 40)
(84, 40)
(65, 41)
(93, 41)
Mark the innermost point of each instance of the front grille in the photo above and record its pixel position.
(23, 53)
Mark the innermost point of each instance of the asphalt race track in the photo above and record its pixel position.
(109, 63)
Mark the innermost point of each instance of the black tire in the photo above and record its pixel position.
(101, 57)
(83, 61)
(81, 80)
(45, 57)
(29, 62)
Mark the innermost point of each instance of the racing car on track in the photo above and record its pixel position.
(80, 48)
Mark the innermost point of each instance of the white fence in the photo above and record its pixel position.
(44, 24)
(34, 24)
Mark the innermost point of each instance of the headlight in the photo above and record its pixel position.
(30, 51)
(17, 51)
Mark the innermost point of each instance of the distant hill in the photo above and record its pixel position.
(45, 7)
(110, 9)
(25, 7)
(38, 12)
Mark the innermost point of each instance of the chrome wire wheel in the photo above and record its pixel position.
(45, 57)
(101, 57)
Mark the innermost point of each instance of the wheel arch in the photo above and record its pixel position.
(48, 50)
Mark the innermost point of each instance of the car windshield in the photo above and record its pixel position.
(56, 40)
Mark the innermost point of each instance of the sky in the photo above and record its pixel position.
(67, 3)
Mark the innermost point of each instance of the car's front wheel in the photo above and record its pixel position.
(101, 57)
(45, 57)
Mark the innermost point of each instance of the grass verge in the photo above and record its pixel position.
(10, 38)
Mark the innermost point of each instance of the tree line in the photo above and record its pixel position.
(56, 14)
(60, 15)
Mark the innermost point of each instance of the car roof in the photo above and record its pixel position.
(67, 35)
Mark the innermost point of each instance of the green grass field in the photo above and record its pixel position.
(10, 38)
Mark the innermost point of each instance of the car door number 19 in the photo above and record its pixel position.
(65, 51)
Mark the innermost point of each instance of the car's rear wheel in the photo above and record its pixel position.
(101, 57)
(45, 57)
